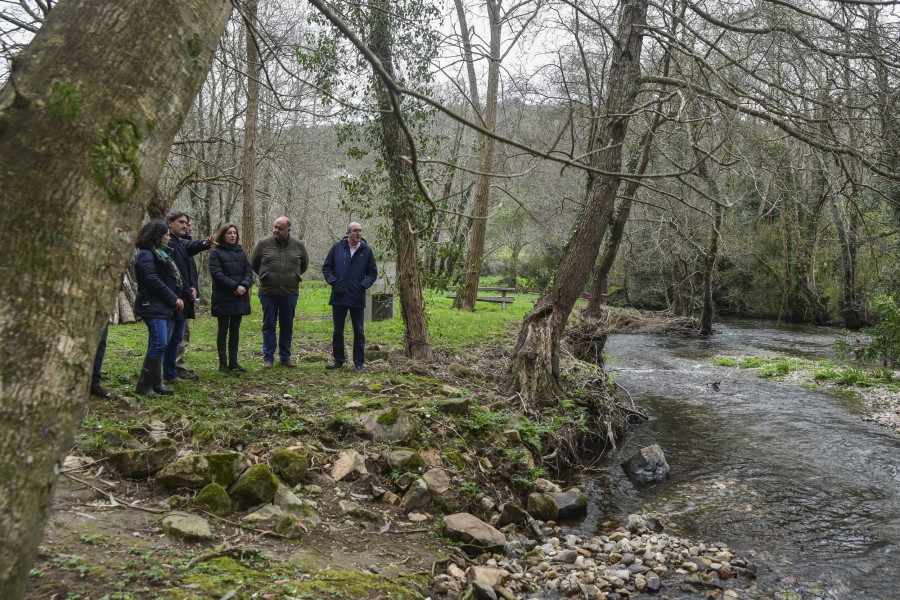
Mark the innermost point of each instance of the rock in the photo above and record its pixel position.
(268, 514)
(489, 576)
(543, 486)
(455, 572)
(636, 524)
(454, 406)
(289, 465)
(415, 517)
(290, 527)
(255, 486)
(473, 533)
(483, 591)
(438, 480)
(186, 526)
(213, 498)
(354, 405)
(289, 503)
(143, 463)
(542, 507)
(392, 498)
(647, 466)
(572, 504)
(565, 556)
(352, 509)
(417, 497)
(117, 439)
(198, 470)
(513, 436)
(510, 512)
(349, 465)
(388, 425)
(406, 461)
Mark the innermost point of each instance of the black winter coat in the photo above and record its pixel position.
(183, 251)
(156, 287)
(349, 278)
(229, 268)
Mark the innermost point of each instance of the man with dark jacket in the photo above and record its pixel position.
(279, 260)
(350, 270)
(183, 251)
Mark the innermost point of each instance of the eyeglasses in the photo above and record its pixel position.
(357, 230)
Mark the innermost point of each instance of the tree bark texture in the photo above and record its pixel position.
(248, 224)
(468, 291)
(403, 195)
(534, 366)
(87, 118)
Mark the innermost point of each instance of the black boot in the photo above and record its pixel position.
(232, 354)
(220, 347)
(155, 365)
(145, 381)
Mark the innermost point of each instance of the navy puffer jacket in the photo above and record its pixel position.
(349, 278)
(229, 268)
(156, 287)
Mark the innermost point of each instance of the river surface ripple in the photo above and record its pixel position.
(792, 473)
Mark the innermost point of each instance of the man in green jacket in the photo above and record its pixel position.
(279, 260)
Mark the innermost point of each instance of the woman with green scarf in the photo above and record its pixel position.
(158, 299)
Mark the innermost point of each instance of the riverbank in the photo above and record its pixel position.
(357, 480)
(878, 386)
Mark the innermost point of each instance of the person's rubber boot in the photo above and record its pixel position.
(145, 381)
(232, 356)
(156, 371)
(223, 362)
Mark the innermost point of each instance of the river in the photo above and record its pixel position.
(791, 474)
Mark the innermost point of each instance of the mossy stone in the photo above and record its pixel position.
(213, 498)
(290, 527)
(414, 463)
(388, 418)
(289, 465)
(200, 469)
(542, 507)
(119, 438)
(256, 486)
(204, 432)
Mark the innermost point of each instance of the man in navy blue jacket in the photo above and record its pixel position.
(350, 270)
(184, 250)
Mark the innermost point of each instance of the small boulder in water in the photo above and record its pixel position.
(648, 465)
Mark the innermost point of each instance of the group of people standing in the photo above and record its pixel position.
(167, 292)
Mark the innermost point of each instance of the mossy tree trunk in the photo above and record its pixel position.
(87, 117)
(534, 366)
(403, 195)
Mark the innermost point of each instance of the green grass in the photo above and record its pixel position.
(231, 410)
(725, 362)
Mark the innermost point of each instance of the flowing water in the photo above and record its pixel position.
(792, 473)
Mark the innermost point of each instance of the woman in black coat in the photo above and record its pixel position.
(158, 298)
(232, 277)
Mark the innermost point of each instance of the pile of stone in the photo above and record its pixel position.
(638, 558)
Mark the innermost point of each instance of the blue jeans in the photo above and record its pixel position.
(278, 309)
(98, 358)
(339, 315)
(158, 331)
(175, 335)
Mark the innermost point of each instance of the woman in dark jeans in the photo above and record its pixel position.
(159, 290)
(232, 277)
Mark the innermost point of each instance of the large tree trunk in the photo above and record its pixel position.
(535, 362)
(468, 291)
(248, 225)
(709, 267)
(403, 191)
(84, 132)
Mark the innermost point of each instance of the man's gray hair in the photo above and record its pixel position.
(351, 223)
(174, 215)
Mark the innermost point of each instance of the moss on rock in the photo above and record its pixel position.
(290, 527)
(213, 498)
(289, 465)
(256, 486)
